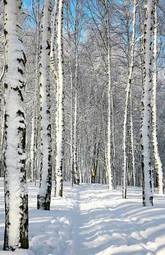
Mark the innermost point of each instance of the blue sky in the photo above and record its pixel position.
(27, 3)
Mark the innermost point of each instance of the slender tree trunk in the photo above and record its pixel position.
(157, 160)
(32, 151)
(44, 196)
(127, 104)
(71, 126)
(35, 164)
(109, 124)
(53, 67)
(75, 170)
(146, 104)
(113, 141)
(16, 197)
(2, 106)
(76, 177)
(132, 141)
(59, 107)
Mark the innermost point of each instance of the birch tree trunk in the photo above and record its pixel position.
(75, 163)
(76, 177)
(109, 124)
(32, 151)
(127, 104)
(59, 103)
(157, 160)
(132, 141)
(35, 146)
(53, 67)
(113, 141)
(71, 126)
(44, 196)
(1, 125)
(16, 197)
(146, 135)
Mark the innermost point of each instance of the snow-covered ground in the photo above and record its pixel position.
(91, 221)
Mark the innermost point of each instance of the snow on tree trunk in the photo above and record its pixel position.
(53, 35)
(71, 124)
(35, 146)
(16, 197)
(157, 160)
(75, 166)
(127, 104)
(132, 142)
(109, 128)
(32, 151)
(44, 196)
(76, 177)
(113, 142)
(1, 126)
(59, 103)
(146, 104)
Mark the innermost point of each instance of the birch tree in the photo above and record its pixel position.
(128, 110)
(53, 67)
(146, 135)
(59, 103)
(44, 196)
(157, 160)
(16, 197)
(35, 126)
(2, 72)
(76, 177)
(109, 123)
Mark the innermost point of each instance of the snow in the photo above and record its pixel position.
(90, 220)
(158, 163)
(14, 153)
(59, 103)
(146, 118)
(44, 100)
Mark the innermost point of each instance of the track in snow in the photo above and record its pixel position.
(89, 220)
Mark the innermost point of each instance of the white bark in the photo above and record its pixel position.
(32, 151)
(36, 147)
(109, 124)
(157, 160)
(1, 124)
(16, 197)
(71, 126)
(59, 103)
(127, 100)
(146, 118)
(53, 46)
(75, 170)
(44, 195)
(132, 142)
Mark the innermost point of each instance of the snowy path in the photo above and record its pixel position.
(105, 224)
(91, 221)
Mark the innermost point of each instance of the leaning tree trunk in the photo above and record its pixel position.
(146, 104)
(44, 196)
(16, 197)
(157, 160)
(59, 103)
(127, 112)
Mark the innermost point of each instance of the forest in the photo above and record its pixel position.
(82, 127)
